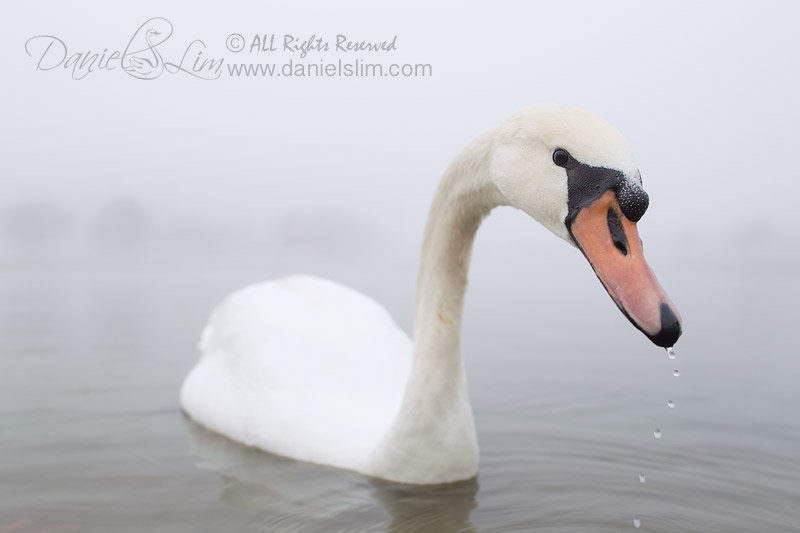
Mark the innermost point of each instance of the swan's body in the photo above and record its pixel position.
(329, 399)
(312, 370)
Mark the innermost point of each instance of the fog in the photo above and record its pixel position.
(138, 189)
(705, 93)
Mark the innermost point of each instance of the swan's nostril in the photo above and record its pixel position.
(620, 246)
(618, 236)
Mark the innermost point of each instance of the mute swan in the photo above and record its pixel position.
(309, 369)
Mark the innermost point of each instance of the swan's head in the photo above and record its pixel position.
(576, 175)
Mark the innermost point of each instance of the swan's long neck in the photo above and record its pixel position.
(434, 430)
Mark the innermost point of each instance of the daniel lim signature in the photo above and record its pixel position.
(140, 59)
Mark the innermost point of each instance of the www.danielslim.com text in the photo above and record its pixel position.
(339, 68)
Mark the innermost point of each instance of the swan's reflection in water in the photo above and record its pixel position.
(294, 496)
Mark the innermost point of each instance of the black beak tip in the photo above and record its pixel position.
(670, 329)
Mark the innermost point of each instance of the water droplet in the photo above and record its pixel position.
(637, 523)
(657, 433)
(671, 404)
(642, 479)
(671, 352)
(676, 372)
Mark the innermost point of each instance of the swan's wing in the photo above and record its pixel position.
(301, 367)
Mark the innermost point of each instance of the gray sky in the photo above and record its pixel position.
(706, 93)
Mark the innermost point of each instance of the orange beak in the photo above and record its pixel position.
(612, 245)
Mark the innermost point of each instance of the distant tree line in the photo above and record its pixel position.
(121, 223)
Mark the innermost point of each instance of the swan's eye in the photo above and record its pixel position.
(560, 157)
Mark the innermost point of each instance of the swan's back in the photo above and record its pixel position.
(301, 367)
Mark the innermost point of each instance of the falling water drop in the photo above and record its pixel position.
(642, 479)
(676, 372)
(657, 433)
(671, 404)
(637, 523)
(671, 352)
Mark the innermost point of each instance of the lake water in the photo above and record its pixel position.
(567, 397)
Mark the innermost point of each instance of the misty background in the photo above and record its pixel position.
(218, 184)
(706, 95)
(129, 208)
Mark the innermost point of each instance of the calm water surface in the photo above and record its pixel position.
(567, 398)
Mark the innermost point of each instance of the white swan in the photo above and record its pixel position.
(309, 369)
